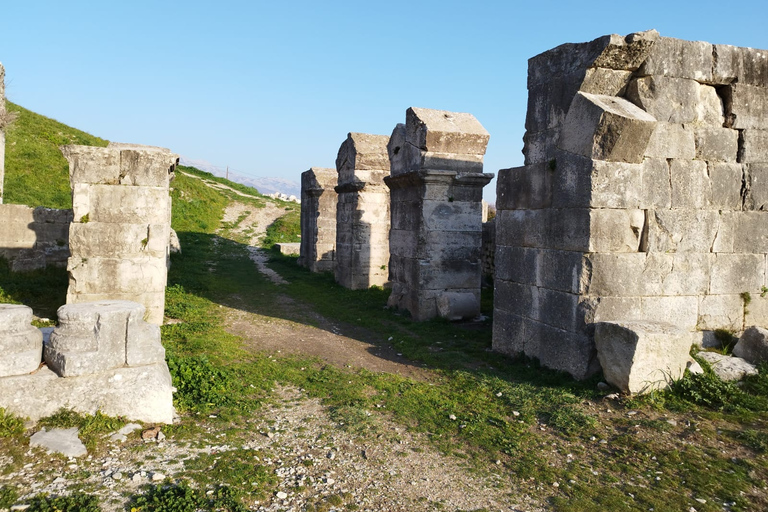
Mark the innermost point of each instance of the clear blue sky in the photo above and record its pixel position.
(272, 88)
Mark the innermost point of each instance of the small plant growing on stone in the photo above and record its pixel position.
(726, 339)
(553, 165)
(85, 218)
(144, 243)
(763, 291)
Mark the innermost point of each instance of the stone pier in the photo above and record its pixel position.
(121, 224)
(362, 214)
(436, 184)
(318, 219)
(642, 200)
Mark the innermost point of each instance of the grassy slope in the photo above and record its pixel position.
(36, 173)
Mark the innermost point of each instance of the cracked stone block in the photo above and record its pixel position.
(21, 344)
(606, 128)
(671, 140)
(716, 144)
(747, 65)
(753, 345)
(728, 368)
(94, 337)
(638, 357)
(746, 106)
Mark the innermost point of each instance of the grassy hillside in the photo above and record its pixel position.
(36, 173)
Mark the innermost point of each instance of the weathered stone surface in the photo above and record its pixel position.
(578, 182)
(640, 357)
(142, 393)
(458, 306)
(360, 152)
(753, 345)
(670, 140)
(684, 230)
(59, 440)
(720, 312)
(21, 345)
(174, 244)
(748, 65)
(735, 273)
(681, 311)
(757, 196)
(318, 219)
(668, 100)
(289, 249)
(679, 59)
(95, 337)
(725, 181)
(746, 106)
(754, 146)
(32, 238)
(528, 187)
(440, 131)
(606, 128)
(121, 164)
(728, 368)
(716, 144)
(691, 186)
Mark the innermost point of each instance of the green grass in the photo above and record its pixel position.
(91, 427)
(36, 173)
(285, 229)
(43, 290)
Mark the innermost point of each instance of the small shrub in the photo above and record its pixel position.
(10, 425)
(77, 502)
(8, 497)
(200, 384)
(182, 498)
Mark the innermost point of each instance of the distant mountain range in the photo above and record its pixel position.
(263, 185)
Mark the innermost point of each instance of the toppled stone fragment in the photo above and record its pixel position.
(643, 356)
(21, 344)
(728, 368)
(606, 128)
(753, 345)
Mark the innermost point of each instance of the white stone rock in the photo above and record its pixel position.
(728, 368)
(57, 440)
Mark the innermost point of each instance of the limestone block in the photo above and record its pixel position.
(684, 230)
(123, 240)
(103, 275)
(680, 59)
(508, 332)
(757, 311)
(548, 103)
(748, 65)
(671, 140)
(648, 274)
(558, 309)
(452, 216)
(737, 273)
(146, 166)
(360, 152)
(458, 305)
(431, 160)
(716, 144)
(720, 312)
(681, 311)
(609, 230)
(143, 393)
(668, 100)
(610, 82)
(691, 186)
(21, 344)
(606, 128)
(142, 342)
(751, 232)
(753, 345)
(746, 106)
(539, 147)
(115, 204)
(725, 180)
(92, 165)
(728, 368)
(610, 51)
(517, 264)
(561, 350)
(566, 271)
(754, 146)
(638, 357)
(441, 131)
(656, 186)
(154, 302)
(757, 198)
(527, 187)
(579, 182)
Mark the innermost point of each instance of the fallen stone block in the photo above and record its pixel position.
(753, 345)
(289, 249)
(640, 357)
(59, 440)
(728, 368)
(606, 128)
(21, 344)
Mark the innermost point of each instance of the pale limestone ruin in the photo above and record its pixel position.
(318, 219)
(120, 233)
(102, 357)
(642, 199)
(435, 241)
(362, 212)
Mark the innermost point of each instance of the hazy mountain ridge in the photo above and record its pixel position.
(263, 185)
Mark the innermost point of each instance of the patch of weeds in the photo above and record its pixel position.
(757, 440)
(571, 421)
(237, 468)
(708, 390)
(200, 384)
(182, 498)
(77, 502)
(10, 425)
(8, 496)
(727, 340)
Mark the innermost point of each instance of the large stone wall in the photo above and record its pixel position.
(33, 238)
(435, 244)
(362, 212)
(641, 199)
(121, 227)
(318, 219)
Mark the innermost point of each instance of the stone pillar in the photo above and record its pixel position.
(3, 121)
(641, 198)
(120, 233)
(435, 239)
(318, 219)
(21, 344)
(362, 214)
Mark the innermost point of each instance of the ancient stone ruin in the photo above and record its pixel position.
(121, 224)
(318, 219)
(642, 200)
(102, 357)
(435, 244)
(362, 214)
